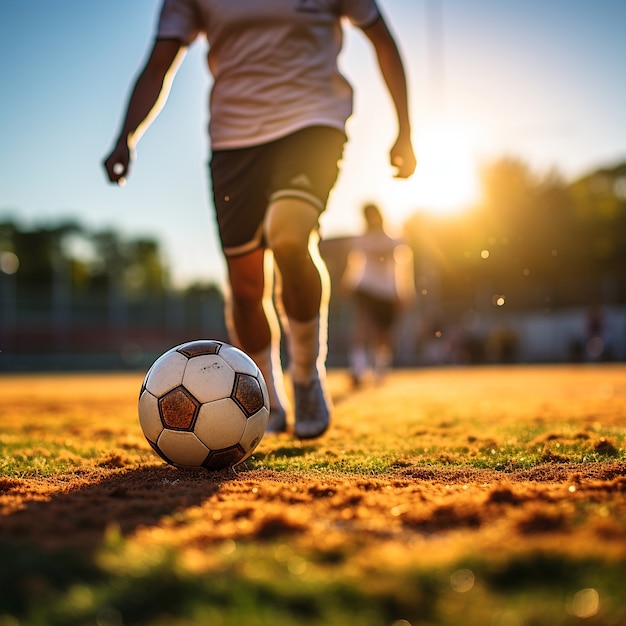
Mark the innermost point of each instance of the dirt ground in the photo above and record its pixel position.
(430, 503)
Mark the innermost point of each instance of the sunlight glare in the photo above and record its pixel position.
(446, 175)
(445, 181)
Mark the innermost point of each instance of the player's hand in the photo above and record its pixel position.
(403, 158)
(117, 164)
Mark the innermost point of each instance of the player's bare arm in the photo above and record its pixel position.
(147, 99)
(402, 155)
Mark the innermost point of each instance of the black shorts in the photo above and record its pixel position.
(382, 312)
(302, 165)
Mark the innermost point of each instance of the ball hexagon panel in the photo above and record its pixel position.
(179, 409)
(166, 373)
(149, 416)
(238, 360)
(220, 424)
(158, 452)
(151, 369)
(182, 448)
(209, 378)
(254, 431)
(221, 459)
(247, 393)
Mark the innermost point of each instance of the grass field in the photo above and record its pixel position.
(461, 497)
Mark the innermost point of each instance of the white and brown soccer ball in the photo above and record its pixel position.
(204, 404)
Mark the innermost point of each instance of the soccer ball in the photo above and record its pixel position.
(204, 404)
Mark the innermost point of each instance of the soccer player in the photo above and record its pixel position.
(379, 276)
(278, 109)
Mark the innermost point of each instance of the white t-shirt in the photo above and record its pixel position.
(380, 266)
(274, 62)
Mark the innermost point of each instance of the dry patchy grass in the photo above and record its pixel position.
(433, 469)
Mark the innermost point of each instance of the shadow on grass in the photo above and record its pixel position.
(61, 566)
(59, 569)
(80, 516)
(51, 546)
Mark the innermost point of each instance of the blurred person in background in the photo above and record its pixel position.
(380, 280)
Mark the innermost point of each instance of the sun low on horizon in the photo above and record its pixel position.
(445, 182)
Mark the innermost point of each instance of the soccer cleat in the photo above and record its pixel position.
(311, 409)
(277, 422)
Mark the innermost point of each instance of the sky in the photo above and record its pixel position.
(539, 80)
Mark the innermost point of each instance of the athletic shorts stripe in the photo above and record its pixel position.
(299, 195)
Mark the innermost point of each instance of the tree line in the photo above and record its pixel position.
(66, 289)
(535, 241)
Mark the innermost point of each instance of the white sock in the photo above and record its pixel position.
(383, 358)
(307, 349)
(273, 377)
(359, 361)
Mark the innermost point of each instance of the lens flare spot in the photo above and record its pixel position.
(462, 580)
(9, 262)
(585, 603)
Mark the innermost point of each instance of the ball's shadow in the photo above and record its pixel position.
(124, 501)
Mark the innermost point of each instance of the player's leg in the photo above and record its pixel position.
(291, 234)
(290, 228)
(304, 168)
(361, 336)
(384, 338)
(254, 328)
(383, 353)
(247, 286)
(239, 192)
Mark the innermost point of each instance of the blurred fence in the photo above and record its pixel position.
(44, 331)
(99, 330)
